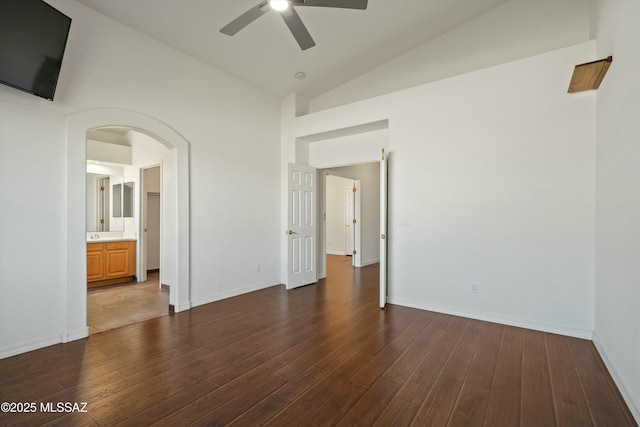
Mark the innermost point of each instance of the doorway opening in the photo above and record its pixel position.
(348, 217)
(124, 233)
(177, 219)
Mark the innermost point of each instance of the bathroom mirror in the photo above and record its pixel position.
(127, 199)
(104, 202)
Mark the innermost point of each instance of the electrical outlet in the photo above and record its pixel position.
(474, 288)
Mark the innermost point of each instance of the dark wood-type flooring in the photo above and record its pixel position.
(110, 307)
(319, 355)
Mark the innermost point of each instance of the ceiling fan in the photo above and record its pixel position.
(291, 18)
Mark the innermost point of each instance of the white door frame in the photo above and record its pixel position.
(384, 236)
(350, 226)
(357, 233)
(356, 260)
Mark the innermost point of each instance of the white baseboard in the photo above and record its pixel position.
(501, 319)
(76, 335)
(182, 307)
(24, 347)
(226, 295)
(369, 262)
(629, 399)
(336, 253)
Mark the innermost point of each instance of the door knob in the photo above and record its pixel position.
(292, 232)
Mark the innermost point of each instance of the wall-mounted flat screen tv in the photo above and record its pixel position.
(33, 36)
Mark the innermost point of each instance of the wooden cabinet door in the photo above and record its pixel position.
(117, 262)
(95, 265)
(120, 259)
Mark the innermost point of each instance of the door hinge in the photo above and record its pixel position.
(354, 252)
(355, 189)
(102, 188)
(354, 220)
(383, 154)
(102, 221)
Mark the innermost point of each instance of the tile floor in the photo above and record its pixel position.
(111, 307)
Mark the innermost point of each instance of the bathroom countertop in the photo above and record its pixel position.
(111, 239)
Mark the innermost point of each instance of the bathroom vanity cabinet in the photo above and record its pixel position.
(111, 262)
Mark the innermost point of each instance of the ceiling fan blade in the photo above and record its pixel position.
(345, 4)
(246, 18)
(297, 28)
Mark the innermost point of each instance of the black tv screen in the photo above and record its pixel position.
(33, 36)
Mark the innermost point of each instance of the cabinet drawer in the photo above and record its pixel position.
(120, 245)
(95, 247)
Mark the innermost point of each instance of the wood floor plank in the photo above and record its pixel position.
(219, 396)
(505, 397)
(338, 404)
(471, 406)
(483, 365)
(381, 362)
(568, 399)
(365, 340)
(234, 407)
(398, 413)
(323, 354)
(297, 411)
(442, 397)
(601, 399)
(473, 399)
(400, 370)
(537, 399)
(164, 407)
(419, 383)
(367, 410)
(267, 408)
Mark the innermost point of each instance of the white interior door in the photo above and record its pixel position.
(349, 216)
(384, 158)
(302, 227)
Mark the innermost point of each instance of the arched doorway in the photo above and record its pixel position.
(77, 126)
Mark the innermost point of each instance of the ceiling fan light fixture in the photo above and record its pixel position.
(279, 5)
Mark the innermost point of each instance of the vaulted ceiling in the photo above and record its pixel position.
(265, 55)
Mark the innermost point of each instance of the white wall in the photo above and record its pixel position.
(352, 149)
(210, 109)
(107, 152)
(32, 223)
(491, 182)
(147, 151)
(335, 214)
(514, 30)
(617, 294)
(152, 180)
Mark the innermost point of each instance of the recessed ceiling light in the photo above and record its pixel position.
(300, 75)
(279, 5)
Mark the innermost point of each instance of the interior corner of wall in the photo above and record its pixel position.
(301, 105)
